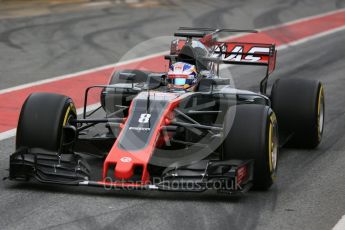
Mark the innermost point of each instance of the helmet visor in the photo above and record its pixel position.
(179, 81)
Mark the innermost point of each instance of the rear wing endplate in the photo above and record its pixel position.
(240, 53)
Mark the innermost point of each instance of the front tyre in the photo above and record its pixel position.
(252, 133)
(42, 119)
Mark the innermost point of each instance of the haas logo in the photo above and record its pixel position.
(126, 159)
(238, 53)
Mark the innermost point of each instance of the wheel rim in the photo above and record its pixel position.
(273, 144)
(69, 115)
(320, 114)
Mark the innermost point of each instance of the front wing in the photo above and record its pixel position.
(230, 176)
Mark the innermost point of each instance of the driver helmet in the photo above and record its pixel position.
(182, 75)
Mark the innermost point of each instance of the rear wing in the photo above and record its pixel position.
(241, 53)
(238, 53)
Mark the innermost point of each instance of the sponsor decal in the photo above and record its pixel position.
(240, 53)
(126, 159)
(139, 128)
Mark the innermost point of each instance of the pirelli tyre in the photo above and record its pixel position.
(252, 133)
(42, 119)
(300, 108)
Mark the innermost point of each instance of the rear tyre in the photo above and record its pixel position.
(42, 119)
(300, 108)
(253, 134)
(111, 98)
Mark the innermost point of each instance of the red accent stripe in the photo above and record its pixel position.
(11, 102)
(178, 76)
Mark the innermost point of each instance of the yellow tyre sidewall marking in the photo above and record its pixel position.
(66, 116)
(70, 107)
(318, 112)
(271, 144)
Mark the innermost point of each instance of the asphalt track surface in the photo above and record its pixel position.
(309, 193)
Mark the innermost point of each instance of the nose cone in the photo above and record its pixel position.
(124, 168)
(137, 140)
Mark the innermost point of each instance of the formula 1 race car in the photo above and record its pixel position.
(156, 138)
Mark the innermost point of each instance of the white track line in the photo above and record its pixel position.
(88, 108)
(310, 38)
(53, 79)
(340, 225)
(12, 132)
(8, 134)
(302, 19)
(23, 86)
